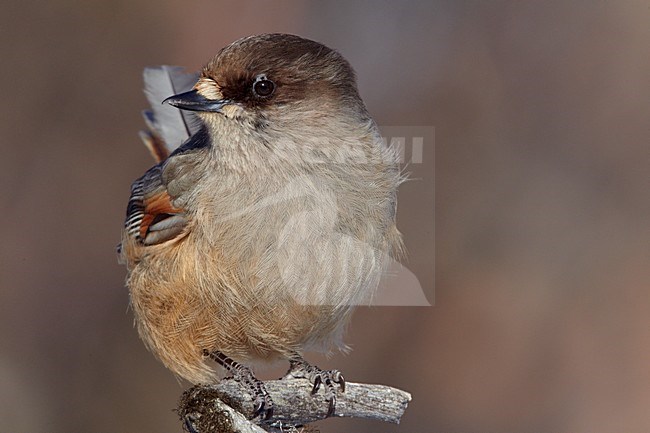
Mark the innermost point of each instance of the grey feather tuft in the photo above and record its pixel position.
(172, 125)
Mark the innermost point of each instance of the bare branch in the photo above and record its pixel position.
(225, 407)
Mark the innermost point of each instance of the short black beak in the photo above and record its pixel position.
(194, 101)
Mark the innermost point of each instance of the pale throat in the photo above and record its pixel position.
(235, 144)
(293, 137)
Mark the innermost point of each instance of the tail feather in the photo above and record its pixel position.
(168, 127)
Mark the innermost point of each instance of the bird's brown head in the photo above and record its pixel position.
(274, 80)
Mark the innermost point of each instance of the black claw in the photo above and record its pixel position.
(332, 406)
(317, 383)
(263, 411)
(258, 409)
(341, 382)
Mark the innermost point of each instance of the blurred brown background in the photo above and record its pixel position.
(542, 114)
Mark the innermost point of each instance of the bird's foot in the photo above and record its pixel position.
(245, 376)
(299, 368)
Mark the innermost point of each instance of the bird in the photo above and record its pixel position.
(254, 240)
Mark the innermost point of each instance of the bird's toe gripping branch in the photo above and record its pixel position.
(244, 375)
(299, 368)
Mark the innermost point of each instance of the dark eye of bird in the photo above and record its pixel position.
(263, 86)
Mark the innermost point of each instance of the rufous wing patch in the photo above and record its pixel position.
(161, 220)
